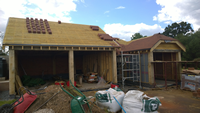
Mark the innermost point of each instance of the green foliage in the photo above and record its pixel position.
(137, 36)
(192, 43)
(7, 102)
(175, 29)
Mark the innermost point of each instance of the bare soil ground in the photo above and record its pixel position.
(176, 101)
(60, 103)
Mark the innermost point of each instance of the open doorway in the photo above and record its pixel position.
(164, 69)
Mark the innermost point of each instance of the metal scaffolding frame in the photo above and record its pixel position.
(129, 64)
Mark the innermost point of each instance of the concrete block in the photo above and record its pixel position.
(4, 85)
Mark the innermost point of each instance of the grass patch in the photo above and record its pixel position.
(7, 102)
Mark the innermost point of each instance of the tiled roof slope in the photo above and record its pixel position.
(143, 43)
(62, 34)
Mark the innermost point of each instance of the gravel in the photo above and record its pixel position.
(4, 95)
(45, 111)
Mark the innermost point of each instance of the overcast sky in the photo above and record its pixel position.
(119, 18)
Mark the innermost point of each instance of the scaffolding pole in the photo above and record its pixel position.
(130, 63)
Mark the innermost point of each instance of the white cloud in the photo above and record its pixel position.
(155, 18)
(126, 31)
(167, 22)
(120, 7)
(83, 1)
(179, 10)
(106, 12)
(53, 10)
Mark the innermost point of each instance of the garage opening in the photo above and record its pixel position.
(54, 65)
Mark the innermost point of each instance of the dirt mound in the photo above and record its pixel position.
(59, 103)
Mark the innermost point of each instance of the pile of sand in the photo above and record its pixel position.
(59, 103)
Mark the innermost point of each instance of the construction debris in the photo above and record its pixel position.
(60, 103)
(191, 71)
(91, 77)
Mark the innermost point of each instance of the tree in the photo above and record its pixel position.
(177, 28)
(1, 37)
(192, 43)
(136, 36)
(2, 52)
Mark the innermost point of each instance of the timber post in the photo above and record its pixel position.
(114, 66)
(151, 68)
(178, 57)
(71, 66)
(12, 72)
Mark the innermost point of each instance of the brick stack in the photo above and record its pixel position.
(197, 93)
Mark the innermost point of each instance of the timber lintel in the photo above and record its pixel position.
(60, 48)
(165, 50)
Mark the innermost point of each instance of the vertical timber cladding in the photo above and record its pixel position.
(170, 66)
(144, 67)
(167, 57)
(45, 64)
(104, 64)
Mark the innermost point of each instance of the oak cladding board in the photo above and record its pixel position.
(103, 63)
(168, 46)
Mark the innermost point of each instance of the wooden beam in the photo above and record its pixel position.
(114, 66)
(71, 66)
(158, 43)
(178, 58)
(165, 50)
(12, 72)
(150, 68)
(181, 46)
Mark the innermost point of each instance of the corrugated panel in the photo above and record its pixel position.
(142, 67)
(146, 67)
(69, 34)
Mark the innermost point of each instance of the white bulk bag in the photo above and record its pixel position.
(133, 102)
(112, 104)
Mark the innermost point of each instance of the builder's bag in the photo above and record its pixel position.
(135, 102)
(105, 99)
